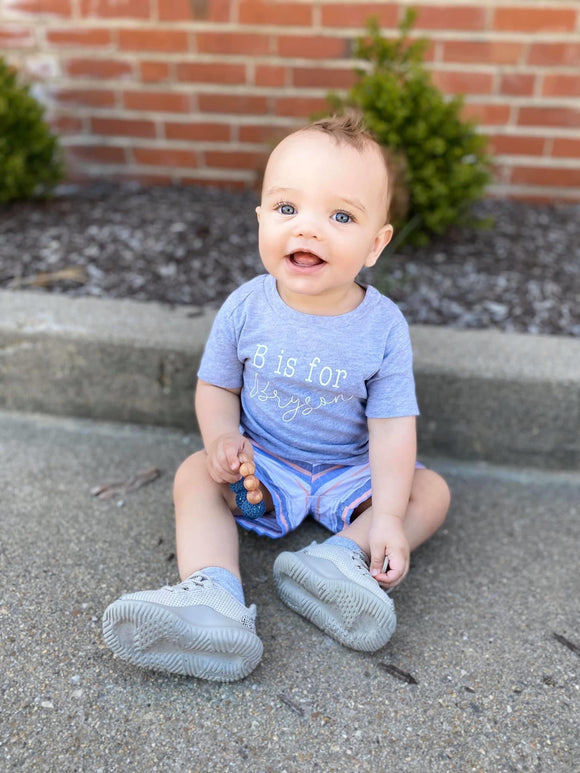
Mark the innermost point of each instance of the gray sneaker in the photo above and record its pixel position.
(196, 628)
(333, 588)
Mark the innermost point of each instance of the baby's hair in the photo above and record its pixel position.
(349, 128)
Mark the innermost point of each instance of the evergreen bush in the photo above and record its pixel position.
(30, 158)
(441, 158)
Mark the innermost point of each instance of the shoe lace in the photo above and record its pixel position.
(196, 580)
(360, 561)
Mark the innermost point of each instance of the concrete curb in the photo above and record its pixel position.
(505, 398)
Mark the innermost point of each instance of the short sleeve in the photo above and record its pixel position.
(391, 390)
(220, 364)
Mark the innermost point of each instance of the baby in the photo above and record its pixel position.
(307, 374)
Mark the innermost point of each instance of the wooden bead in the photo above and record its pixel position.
(254, 497)
(251, 483)
(247, 468)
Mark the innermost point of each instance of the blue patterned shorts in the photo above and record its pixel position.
(329, 493)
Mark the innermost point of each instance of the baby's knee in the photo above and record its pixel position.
(441, 498)
(188, 473)
(435, 496)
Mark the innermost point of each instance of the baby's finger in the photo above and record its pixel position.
(232, 457)
(246, 453)
(396, 572)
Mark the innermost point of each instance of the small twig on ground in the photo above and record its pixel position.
(286, 700)
(112, 490)
(566, 642)
(76, 274)
(398, 673)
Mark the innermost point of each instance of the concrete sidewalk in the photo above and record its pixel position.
(507, 398)
(488, 624)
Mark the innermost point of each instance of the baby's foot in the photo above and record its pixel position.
(332, 587)
(196, 628)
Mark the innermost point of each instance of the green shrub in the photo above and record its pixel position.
(30, 159)
(441, 158)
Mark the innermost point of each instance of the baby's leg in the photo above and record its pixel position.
(205, 530)
(200, 627)
(428, 506)
(331, 585)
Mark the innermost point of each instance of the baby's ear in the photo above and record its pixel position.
(382, 238)
(258, 212)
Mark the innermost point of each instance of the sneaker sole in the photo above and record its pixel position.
(348, 612)
(150, 636)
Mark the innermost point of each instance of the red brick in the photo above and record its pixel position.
(487, 113)
(561, 85)
(270, 75)
(202, 72)
(85, 97)
(485, 52)
(463, 82)
(517, 84)
(232, 103)
(568, 148)
(67, 124)
(238, 43)
(300, 107)
(262, 134)
(238, 159)
(127, 9)
(16, 37)
(558, 177)
(267, 12)
(123, 127)
(165, 157)
(198, 132)
(451, 17)
(319, 77)
(162, 101)
(43, 7)
(98, 68)
(313, 47)
(513, 145)
(356, 14)
(154, 72)
(561, 117)
(70, 36)
(97, 154)
(531, 19)
(169, 41)
(190, 10)
(553, 54)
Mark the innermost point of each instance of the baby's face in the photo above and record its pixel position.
(322, 219)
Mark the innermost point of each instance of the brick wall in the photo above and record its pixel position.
(195, 90)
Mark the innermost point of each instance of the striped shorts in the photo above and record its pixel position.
(329, 493)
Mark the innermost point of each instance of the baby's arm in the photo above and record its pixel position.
(392, 451)
(218, 416)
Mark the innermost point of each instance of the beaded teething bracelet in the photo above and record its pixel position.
(247, 490)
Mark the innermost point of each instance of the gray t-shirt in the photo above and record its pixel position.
(309, 382)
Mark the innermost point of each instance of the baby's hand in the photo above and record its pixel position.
(390, 554)
(223, 457)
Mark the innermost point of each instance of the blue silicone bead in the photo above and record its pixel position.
(248, 510)
(238, 486)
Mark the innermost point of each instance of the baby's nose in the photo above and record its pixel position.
(307, 225)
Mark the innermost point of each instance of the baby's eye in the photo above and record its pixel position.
(342, 217)
(286, 209)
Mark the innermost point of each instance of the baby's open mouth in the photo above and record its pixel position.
(305, 259)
